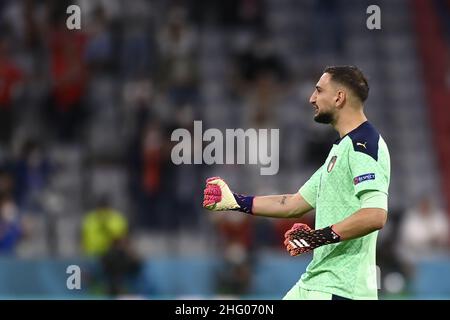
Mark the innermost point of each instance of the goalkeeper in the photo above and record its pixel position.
(349, 193)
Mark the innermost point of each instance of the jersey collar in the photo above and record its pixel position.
(337, 141)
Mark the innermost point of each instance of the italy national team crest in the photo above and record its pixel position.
(331, 163)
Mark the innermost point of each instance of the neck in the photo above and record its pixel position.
(346, 123)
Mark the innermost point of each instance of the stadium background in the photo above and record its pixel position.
(86, 118)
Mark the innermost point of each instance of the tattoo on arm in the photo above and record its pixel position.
(283, 200)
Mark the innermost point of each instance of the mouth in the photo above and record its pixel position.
(316, 109)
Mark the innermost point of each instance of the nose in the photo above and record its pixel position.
(312, 99)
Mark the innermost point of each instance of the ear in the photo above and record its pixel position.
(340, 98)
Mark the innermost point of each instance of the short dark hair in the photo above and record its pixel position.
(351, 77)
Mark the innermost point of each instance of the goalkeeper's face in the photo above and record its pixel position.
(323, 100)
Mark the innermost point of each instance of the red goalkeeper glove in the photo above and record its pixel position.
(217, 196)
(301, 238)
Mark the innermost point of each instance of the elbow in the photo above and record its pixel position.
(380, 219)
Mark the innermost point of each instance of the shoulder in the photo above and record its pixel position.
(365, 139)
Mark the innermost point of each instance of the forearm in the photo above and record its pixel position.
(361, 223)
(278, 206)
(300, 238)
(219, 197)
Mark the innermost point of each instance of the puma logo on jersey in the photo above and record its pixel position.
(362, 144)
(299, 243)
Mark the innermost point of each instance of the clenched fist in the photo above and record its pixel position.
(217, 196)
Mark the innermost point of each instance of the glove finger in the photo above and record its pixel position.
(290, 245)
(288, 241)
(217, 183)
(297, 251)
(290, 250)
(290, 233)
(300, 226)
(212, 198)
(212, 190)
(208, 203)
(212, 180)
(297, 227)
(301, 251)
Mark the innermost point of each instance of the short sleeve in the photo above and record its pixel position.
(369, 173)
(309, 190)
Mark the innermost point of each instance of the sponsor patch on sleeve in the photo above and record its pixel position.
(364, 177)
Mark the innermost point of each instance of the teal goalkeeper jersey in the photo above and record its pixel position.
(357, 163)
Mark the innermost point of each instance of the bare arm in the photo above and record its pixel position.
(219, 197)
(280, 206)
(361, 223)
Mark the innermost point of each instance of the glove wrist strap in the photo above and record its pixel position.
(327, 236)
(245, 203)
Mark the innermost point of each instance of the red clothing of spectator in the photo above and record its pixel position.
(10, 76)
(67, 68)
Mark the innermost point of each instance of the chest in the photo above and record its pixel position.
(336, 171)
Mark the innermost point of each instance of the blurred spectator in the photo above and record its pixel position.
(138, 54)
(424, 232)
(235, 228)
(447, 73)
(259, 60)
(328, 27)
(120, 266)
(99, 45)
(235, 234)
(11, 230)
(32, 175)
(152, 157)
(234, 276)
(243, 14)
(65, 108)
(149, 159)
(260, 75)
(101, 227)
(6, 180)
(179, 61)
(10, 77)
(263, 101)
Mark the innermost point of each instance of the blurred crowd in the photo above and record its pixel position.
(93, 110)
